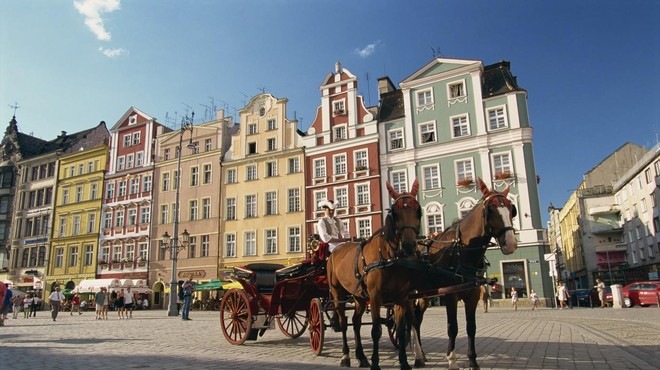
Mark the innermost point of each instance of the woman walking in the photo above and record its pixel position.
(514, 298)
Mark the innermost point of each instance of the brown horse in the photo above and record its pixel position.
(376, 271)
(458, 253)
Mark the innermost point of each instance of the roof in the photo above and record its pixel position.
(497, 80)
(391, 106)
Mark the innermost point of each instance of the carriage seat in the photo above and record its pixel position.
(264, 275)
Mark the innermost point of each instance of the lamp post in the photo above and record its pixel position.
(172, 243)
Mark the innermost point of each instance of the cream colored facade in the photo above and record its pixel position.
(569, 230)
(264, 186)
(77, 215)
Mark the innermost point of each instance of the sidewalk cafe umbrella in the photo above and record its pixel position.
(215, 284)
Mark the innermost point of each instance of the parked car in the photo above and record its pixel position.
(585, 298)
(643, 293)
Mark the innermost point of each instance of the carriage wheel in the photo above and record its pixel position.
(316, 326)
(391, 327)
(293, 324)
(235, 316)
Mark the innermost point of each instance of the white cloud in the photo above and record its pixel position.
(113, 53)
(92, 10)
(367, 50)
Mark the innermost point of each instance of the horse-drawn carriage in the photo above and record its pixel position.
(391, 269)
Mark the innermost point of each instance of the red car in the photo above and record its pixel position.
(643, 293)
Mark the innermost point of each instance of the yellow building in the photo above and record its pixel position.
(263, 188)
(77, 212)
(570, 238)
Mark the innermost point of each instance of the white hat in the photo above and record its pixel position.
(327, 203)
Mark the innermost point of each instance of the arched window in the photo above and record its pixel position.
(434, 219)
(465, 206)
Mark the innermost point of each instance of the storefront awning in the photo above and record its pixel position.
(215, 284)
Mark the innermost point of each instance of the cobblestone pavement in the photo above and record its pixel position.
(580, 338)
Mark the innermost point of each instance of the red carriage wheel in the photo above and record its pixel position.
(316, 326)
(391, 327)
(293, 324)
(235, 316)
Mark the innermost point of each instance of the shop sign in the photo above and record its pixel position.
(193, 273)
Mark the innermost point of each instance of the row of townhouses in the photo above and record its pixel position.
(96, 204)
(610, 226)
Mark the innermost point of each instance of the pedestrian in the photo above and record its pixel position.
(600, 287)
(484, 296)
(119, 304)
(99, 298)
(3, 292)
(17, 302)
(535, 300)
(27, 305)
(188, 288)
(562, 294)
(55, 299)
(35, 305)
(129, 299)
(106, 304)
(75, 304)
(6, 304)
(514, 298)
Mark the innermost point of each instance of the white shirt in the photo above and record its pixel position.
(331, 227)
(56, 296)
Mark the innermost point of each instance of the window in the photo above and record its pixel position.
(136, 138)
(135, 185)
(502, 164)
(252, 148)
(340, 164)
(433, 213)
(48, 198)
(127, 140)
(339, 107)
(59, 257)
(251, 172)
(34, 174)
(195, 149)
(339, 133)
(293, 204)
(175, 183)
(72, 170)
(295, 238)
(110, 190)
(399, 182)
(93, 191)
(427, 132)
(91, 223)
(464, 170)
(206, 169)
(129, 160)
(119, 218)
(76, 225)
(250, 243)
(431, 177)
(206, 245)
(122, 189)
(206, 208)
(456, 90)
(424, 97)
(208, 145)
(318, 197)
(116, 253)
(319, 168)
(90, 167)
(294, 165)
(395, 139)
(194, 176)
(146, 183)
(41, 258)
(26, 256)
(271, 241)
(231, 176)
(51, 169)
(107, 220)
(120, 163)
(364, 228)
(79, 194)
(192, 247)
(252, 128)
(145, 215)
(496, 118)
(271, 124)
(271, 169)
(361, 160)
(341, 197)
(231, 209)
(230, 245)
(65, 196)
(165, 181)
(193, 209)
(250, 206)
(132, 217)
(62, 229)
(271, 203)
(130, 252)
(460, 126)
(647, 175)
(132, 119)
(271, 144)
(164, 210)
(73, 257)
(362, 194)
(143, 251)
(166, 154)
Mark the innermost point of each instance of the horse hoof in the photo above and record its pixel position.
(420, 363)
(345, 363)
(364, 362)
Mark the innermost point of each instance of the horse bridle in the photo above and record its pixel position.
(502, 202)
(399, 231)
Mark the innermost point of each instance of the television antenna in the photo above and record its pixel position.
(14, 107)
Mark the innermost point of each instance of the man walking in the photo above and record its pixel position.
(188, 288)
(55, 299)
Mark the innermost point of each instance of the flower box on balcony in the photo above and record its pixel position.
(465, 182)
(339, 112)
(503, 175)
(361, 168)
(103, 262)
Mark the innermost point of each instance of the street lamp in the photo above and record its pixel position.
(172, 243)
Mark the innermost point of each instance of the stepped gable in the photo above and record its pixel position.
(498, 80)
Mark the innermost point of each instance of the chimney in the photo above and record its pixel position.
(385, 85)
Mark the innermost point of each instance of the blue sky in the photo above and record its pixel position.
(591, 68)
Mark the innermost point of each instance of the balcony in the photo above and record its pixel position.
(604, 210)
